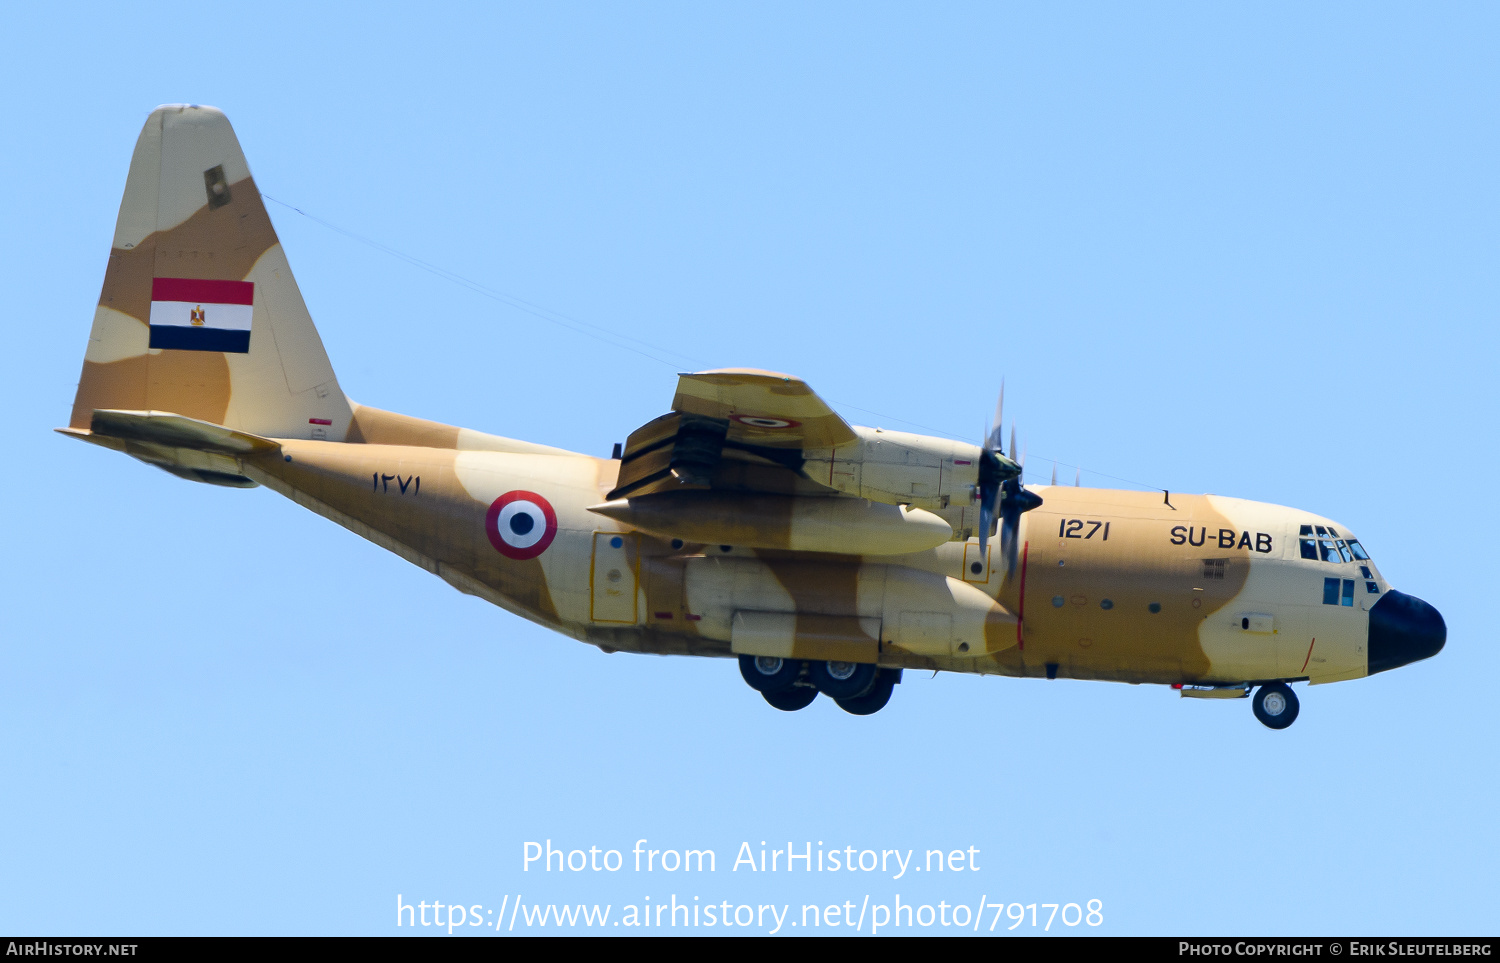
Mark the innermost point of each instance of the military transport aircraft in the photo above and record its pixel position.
(750, 521)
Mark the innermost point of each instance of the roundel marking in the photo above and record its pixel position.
(756, 421)
(520, 524)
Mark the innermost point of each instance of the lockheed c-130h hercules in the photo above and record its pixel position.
(750, 521)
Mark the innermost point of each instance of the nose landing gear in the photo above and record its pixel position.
(1275, 705)
(791, 684)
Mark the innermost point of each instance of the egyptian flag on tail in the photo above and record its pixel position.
(190, 314)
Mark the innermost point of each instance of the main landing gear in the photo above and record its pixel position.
(791, 684)
(1275, 705)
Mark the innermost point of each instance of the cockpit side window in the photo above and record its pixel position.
(1358, 550)
(1309, 547)
(1338, 591)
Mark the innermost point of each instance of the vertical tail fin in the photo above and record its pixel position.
(199, 314)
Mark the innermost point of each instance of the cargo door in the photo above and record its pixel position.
(614, 577)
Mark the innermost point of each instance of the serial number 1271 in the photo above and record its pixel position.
(1082, 528)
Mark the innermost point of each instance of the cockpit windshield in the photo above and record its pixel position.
(1323, 543)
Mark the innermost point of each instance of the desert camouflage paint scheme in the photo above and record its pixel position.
(750, 520)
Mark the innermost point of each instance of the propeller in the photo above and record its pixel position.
(994, 469)
(1000, 490)
(1015, 501)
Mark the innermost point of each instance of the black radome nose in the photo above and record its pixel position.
(1403, 629)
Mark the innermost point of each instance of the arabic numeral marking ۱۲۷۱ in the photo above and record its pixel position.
(410, 485)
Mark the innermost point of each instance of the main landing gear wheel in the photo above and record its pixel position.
(874, 700)
(1275, 705)
(842, 680)
(766, 674)
(790, 700)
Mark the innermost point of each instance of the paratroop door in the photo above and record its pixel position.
(614, 577)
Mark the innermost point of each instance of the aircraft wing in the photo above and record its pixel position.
(734, 429)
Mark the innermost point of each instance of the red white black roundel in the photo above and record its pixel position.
(757, 421)
(520, 524)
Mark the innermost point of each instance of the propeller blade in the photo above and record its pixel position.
(1016, 501)
(1010, 523)
(1054, 473)
(1000, 491)
(1008, 532)
(992, 437)
(991, 472)
(1078, 478)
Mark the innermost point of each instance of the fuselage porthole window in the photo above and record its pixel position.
(1365, 571)
(1372, 588)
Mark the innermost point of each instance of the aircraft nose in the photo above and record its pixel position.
(1403, 629)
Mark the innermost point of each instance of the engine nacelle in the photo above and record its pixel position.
(899, 468)
(829, 523)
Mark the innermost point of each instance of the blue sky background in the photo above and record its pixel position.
(1248, 250)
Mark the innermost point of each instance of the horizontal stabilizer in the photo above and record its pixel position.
(177, 431)
(199, 451)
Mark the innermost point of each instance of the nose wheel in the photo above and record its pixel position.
(1275, 705)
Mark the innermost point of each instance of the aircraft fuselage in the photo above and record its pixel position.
(1112, 585)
